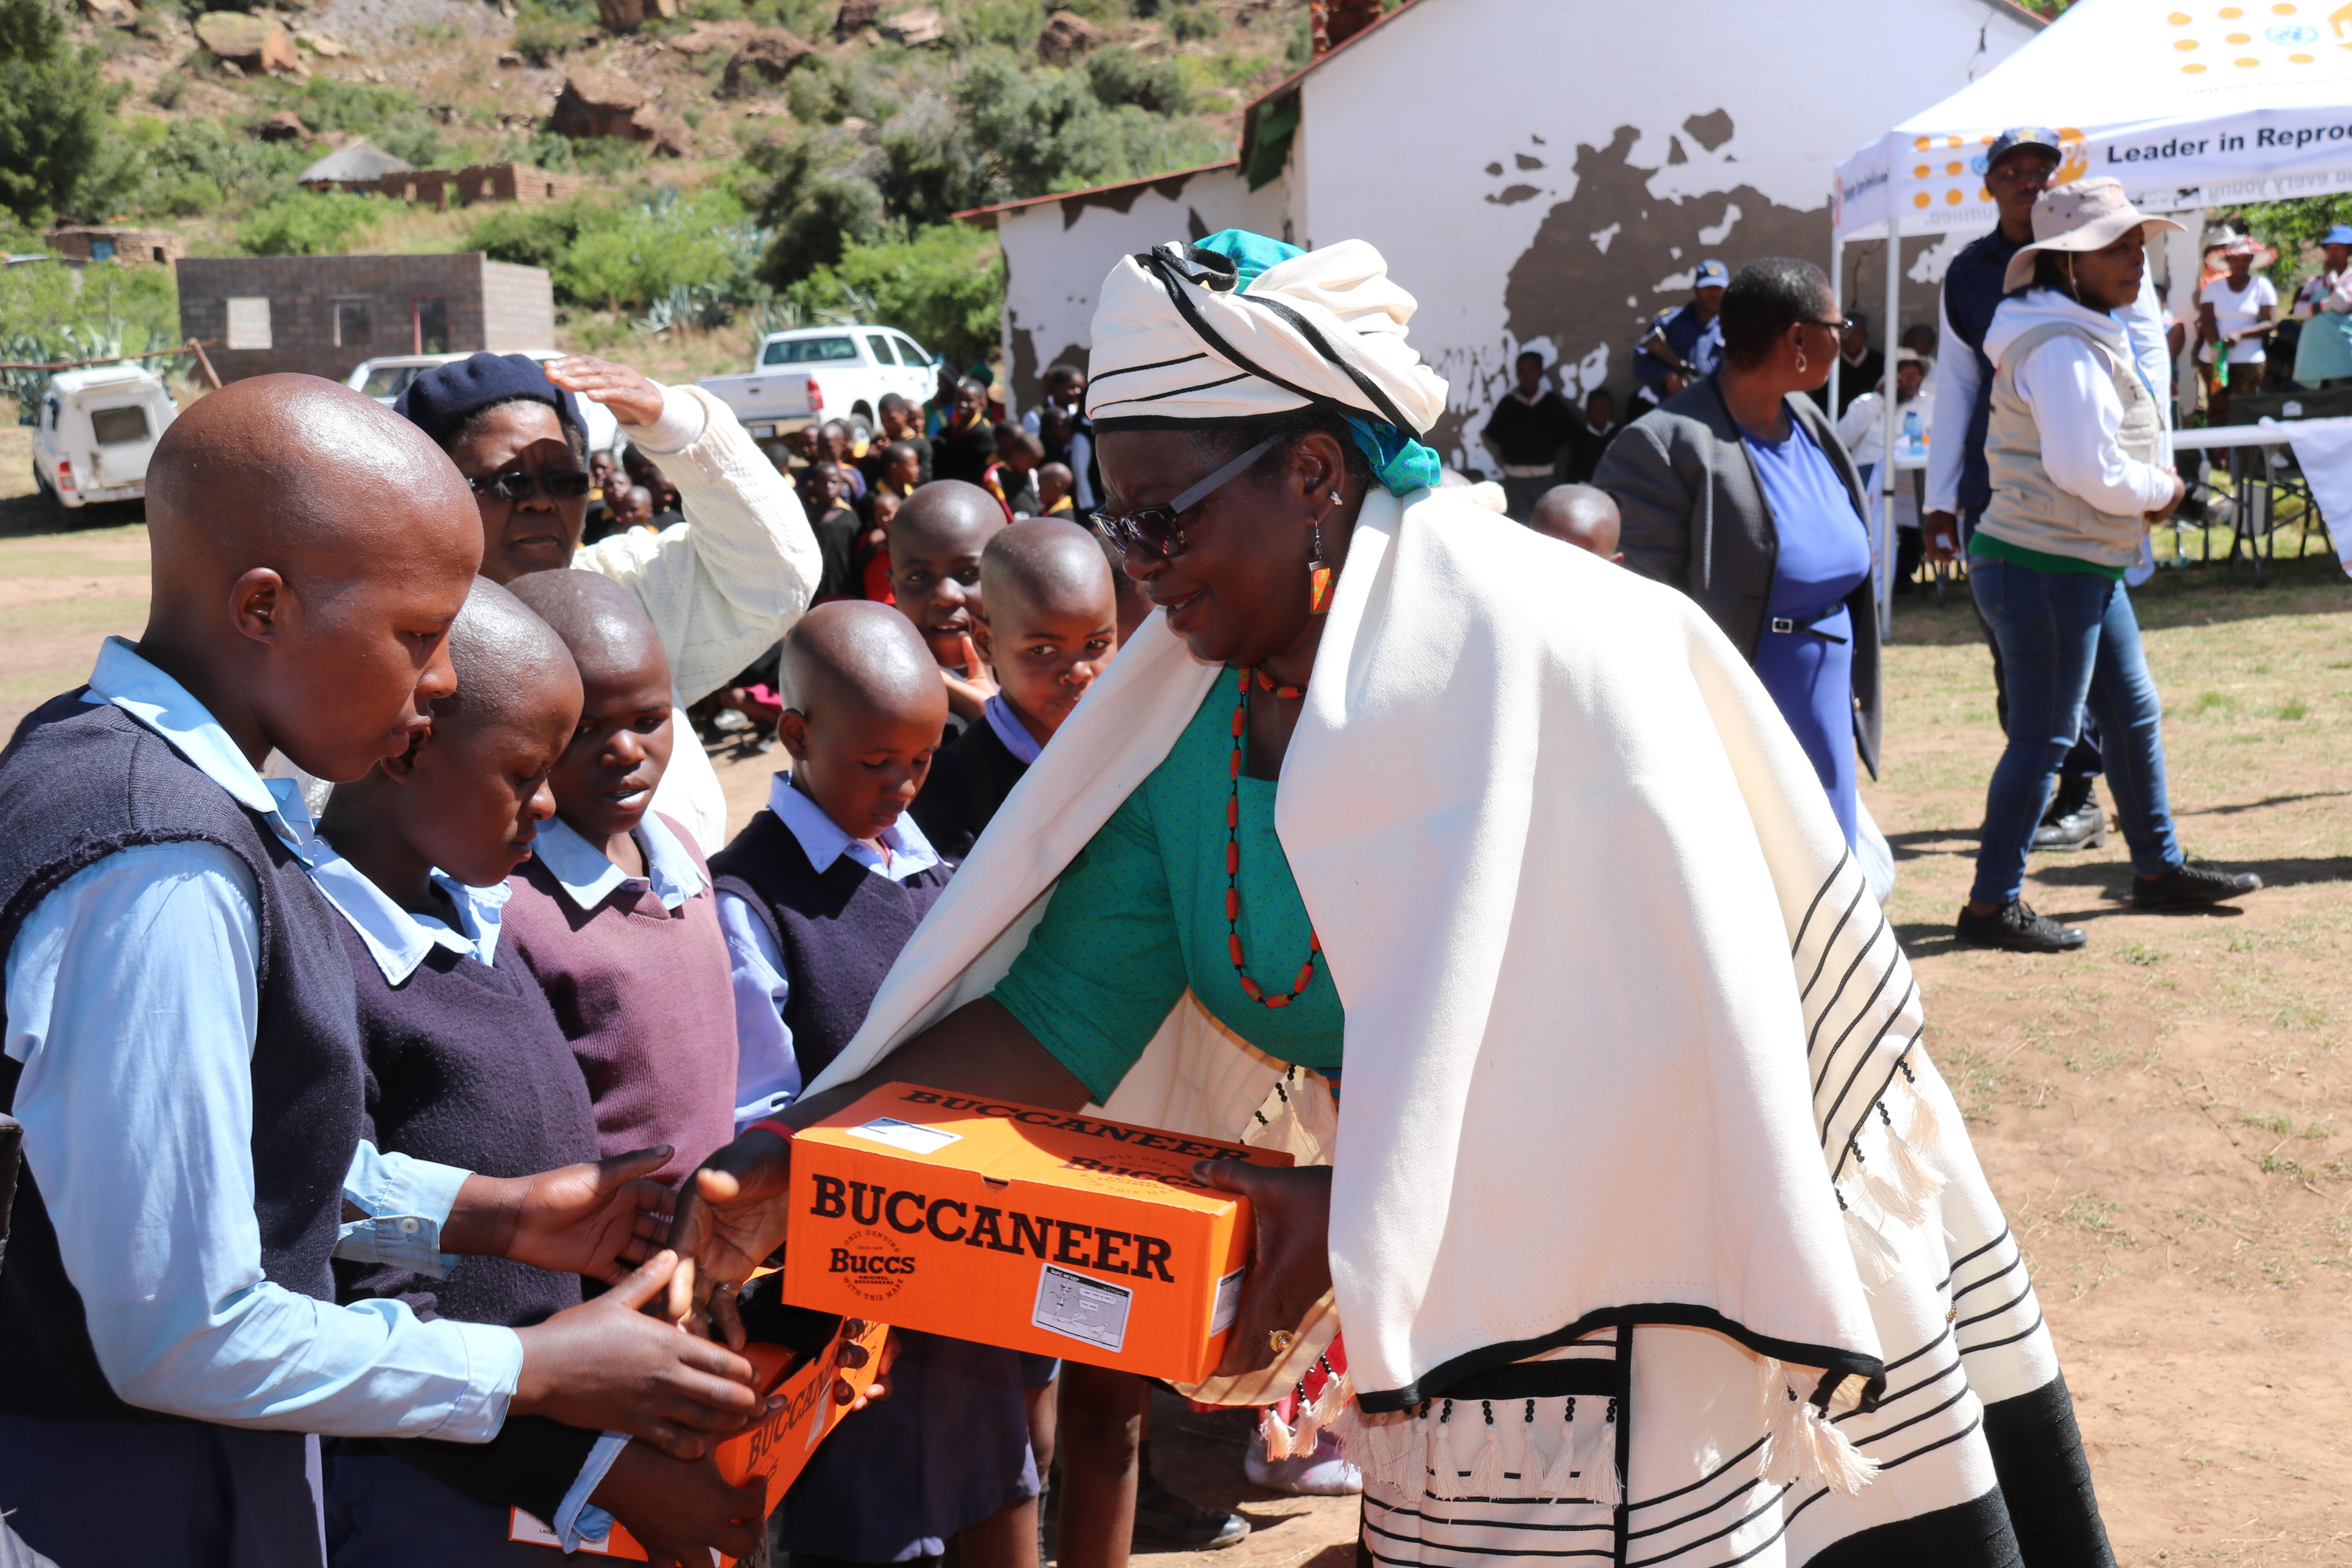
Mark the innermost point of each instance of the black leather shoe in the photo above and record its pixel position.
(2190, 886)
(2017, 929)
(1163, 1518)
(2073, 820)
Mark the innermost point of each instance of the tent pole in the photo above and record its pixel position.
(1837, 297)
(1887, 430)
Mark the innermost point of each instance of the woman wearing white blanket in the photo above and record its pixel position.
(1517, 837)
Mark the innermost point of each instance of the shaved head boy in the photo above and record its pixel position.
(1580, 515)
(935, 547)
(863, 711)
(1051, 626)
(309, 557)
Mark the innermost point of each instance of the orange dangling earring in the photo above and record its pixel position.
(1318, 571)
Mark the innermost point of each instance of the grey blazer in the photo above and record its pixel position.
(1695, 517)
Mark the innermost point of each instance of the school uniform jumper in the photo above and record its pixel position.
(969, 778)
(815, 920)
(205, 1078)
(464, 1063)
(637, 970)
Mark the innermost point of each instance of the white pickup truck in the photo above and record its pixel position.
(95, 432)
(825, 373)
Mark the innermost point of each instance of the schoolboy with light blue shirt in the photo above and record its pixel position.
(180, 1040)
(466, 1063)
(818, 893)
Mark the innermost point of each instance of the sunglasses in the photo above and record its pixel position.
(1839, 325)
(513, 485)
(1153, 531)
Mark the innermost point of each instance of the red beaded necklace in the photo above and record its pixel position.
(1251, 988)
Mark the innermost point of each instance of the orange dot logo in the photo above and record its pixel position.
(2185, 45)
(2229, 13)
(2238, 38)
(2248, 63)
(1952, 198)
(1920, 145)
(1921, 173)
(2192, 70)
(1919, 200)
(2281, 10)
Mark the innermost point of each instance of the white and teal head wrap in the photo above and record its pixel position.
(1240, 327)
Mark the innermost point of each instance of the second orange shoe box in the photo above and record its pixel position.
(1015, 1226)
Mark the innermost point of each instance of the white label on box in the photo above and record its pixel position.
(525, 1527)
(1094, 1310)
(906, 1135)
(1229, 1302)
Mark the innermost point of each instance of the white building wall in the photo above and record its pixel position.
(1056, 253)
(1546, 173)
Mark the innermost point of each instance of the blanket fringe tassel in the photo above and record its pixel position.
(1874, 1255)
(1805, 1445)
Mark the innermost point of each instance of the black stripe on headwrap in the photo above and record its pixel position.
(1176, 392)
(1155, 365)
(1174, 285)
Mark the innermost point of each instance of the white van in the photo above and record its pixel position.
(96, 430)
(386, 378)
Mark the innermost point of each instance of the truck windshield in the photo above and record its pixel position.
(389, 380)
(809, 351)
(119, 426)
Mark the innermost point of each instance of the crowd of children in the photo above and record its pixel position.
(519, 991)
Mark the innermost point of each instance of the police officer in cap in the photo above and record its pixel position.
(1686, 343)
(2017, 169)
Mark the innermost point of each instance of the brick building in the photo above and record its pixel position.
(323, 315)
(445, 188)
(108, 242)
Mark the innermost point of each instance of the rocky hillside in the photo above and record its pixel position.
(742, 162)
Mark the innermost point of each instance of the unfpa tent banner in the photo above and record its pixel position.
(2190, 104)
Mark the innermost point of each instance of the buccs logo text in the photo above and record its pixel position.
(873, 1265)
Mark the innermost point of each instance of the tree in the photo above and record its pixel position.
(58, 155)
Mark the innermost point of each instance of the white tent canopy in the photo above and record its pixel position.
(2190, 103)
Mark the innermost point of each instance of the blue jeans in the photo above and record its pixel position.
(2068, 644)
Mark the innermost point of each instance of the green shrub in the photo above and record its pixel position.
(1009, 23)
(202, 165)
(58, 153)
(626, 258)
(1191, 24)
(307, 223)
(537, 236)
(944, 286)
(1120, 75)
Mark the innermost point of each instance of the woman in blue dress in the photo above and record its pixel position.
(1737, 491)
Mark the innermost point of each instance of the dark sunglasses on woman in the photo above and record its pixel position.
(513, 484)
(1154, 529)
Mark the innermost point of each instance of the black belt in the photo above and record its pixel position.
(1806, 624)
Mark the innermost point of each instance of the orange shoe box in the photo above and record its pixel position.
(778, 1448)
(1009, 1224)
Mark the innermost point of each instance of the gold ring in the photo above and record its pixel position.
(1280, 1338)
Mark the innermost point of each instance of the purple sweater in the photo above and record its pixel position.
(644, 996)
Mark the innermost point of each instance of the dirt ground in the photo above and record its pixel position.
(2168, 1115)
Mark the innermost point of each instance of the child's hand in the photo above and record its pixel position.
(606, 1366)
(598, 1220)
(730, 1217)
(681, 1511)
(968, 694)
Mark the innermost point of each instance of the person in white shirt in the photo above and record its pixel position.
(1862, 431)
(721, 588)
(2234, 310)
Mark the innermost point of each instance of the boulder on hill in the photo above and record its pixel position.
(767, 56)
(596, 102)
(283, 126)
(705, 37)
(324, 44)
(628, 15)
(247, 41)
(111, 13)
(1066, 36)
(913, 28)
(854, 17)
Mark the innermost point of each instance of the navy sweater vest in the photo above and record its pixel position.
(970, 778)
(1972, 292)
(465, 1066)
(79, 782)
(839, 930)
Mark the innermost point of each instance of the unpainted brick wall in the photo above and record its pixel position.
(303, 291)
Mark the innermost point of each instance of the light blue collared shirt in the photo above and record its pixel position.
(588, 877)
(767, 1074)
(134, 1001)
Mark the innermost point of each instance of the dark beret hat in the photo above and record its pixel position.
(438, 400)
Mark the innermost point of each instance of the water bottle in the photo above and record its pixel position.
(1911, 432)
